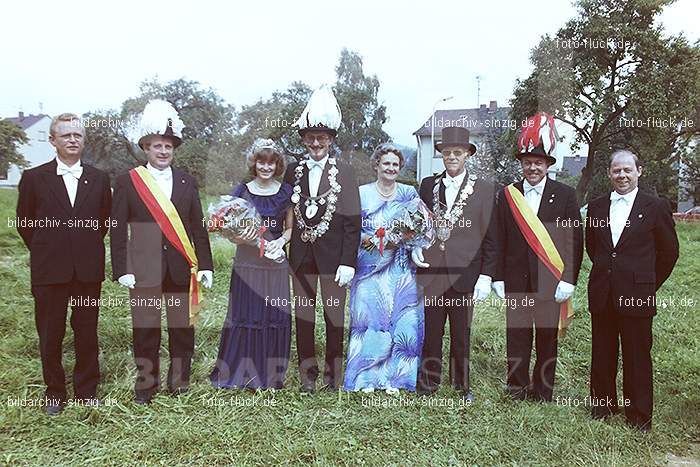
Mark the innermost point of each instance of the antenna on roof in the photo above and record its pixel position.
(478, 90)
(41, 107)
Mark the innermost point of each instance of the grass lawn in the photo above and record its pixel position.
(208, 426)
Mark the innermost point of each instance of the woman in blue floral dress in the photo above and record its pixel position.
(386, 309)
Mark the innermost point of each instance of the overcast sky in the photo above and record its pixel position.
(80, 56)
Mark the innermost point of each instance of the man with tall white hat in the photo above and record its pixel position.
(325, 237)
(160, 251)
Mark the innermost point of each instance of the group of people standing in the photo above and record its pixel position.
(524, 242)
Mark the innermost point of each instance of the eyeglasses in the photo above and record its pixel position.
(456, 153)
(322, 138)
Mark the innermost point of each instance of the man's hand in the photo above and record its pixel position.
(273, 247)
(417, 258)
(344, 275)
(482, 288)
(499, 288)
(206, 278)
(564, 292)
(127, 280)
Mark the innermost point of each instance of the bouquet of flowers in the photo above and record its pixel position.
(233, 217)
(410, 227)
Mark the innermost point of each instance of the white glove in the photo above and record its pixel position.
(344, 275)
(482, 288)
(127, 280)
(273, 246)
(564, 292)
(206, 278)
(499, 288)
(417, 257)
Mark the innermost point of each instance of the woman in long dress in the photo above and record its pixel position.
(386, 310)
(255, 339)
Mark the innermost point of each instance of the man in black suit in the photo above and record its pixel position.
(535, 294)
(325, 238)
(632, 242)
(456, 271)
(63, 216)
(146, 261)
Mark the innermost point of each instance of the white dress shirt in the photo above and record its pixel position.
(315, 172)
(533, 194)
(620, 208)
(452, 185)
(71, 175)
(164, 179)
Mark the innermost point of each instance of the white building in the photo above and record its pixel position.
(36, 151)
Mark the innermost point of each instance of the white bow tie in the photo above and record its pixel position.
(163, 175)
(76, 171)
(312, 164)
(450, 182)
(615, 196)
(530, 189)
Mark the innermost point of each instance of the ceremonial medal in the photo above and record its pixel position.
(312, 203)
(311, 211)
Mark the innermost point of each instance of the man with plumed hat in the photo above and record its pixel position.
(541, 248)
(457, 270)
(325, 237)
(160, 251)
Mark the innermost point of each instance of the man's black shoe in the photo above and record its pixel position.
(468, 397)
(54, 409)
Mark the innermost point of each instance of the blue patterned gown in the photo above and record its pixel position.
(255, 339)
(386, 311)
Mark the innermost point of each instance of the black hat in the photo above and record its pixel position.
(455, 136)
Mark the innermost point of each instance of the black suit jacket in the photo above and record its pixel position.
(472, 248)
(70, 240)
(139, 246)
(632, 271)
(340, 243)
(519, 266)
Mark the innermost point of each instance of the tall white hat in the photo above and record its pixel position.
(158, 118)
(322, 113)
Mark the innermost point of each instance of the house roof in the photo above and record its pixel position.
(471, 119)
(573, 165)
(26, 121)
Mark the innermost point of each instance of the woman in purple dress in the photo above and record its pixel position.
(255, 339)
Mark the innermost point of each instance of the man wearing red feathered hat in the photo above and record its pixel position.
(541, 239)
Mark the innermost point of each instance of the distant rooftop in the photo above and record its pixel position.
(25, 121)
(573, 165)
(474, 120)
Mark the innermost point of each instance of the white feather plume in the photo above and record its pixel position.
(322, 110)
(155, 119)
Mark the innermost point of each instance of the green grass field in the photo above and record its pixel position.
(208, 426)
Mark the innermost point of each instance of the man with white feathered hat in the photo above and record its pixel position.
(160, 251)
(325, 237)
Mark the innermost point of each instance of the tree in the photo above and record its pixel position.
(11, 136)
(209, 123)
(363, 117)
(608, 65)
(493, 159)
